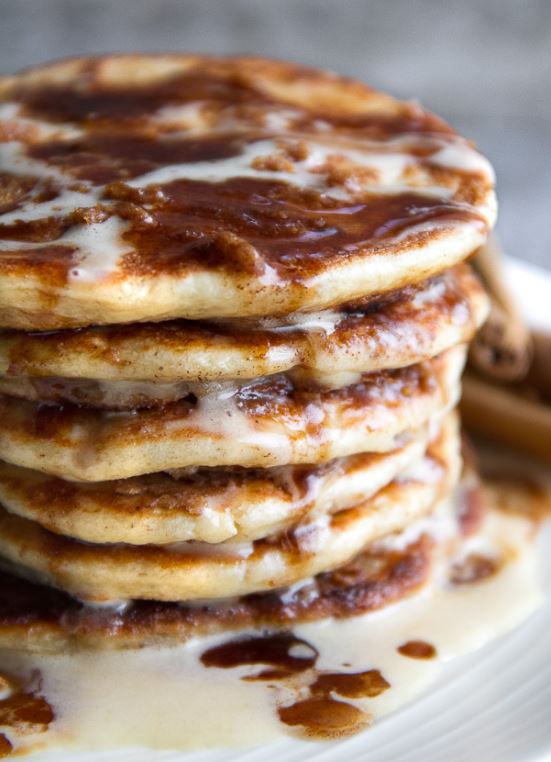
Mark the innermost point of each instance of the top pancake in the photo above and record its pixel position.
(161, 187)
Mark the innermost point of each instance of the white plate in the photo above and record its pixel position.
(491, 706)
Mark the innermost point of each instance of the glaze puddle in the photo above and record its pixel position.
(323, 680)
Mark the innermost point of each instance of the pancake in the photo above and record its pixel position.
(385, 333)
(35, 617)
(159, 187)
(206, 505)
(191, 571)
(265, 424)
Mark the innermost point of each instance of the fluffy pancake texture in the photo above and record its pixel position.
(266, 424)
(234, 313)
(189, 571)
(158, 187)
(204, 504)
(376, 334)
(36, 617)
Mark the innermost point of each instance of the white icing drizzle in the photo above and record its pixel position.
(11, 112)
(429, 295)
(14, 160)
(188, 117)
(228, 549)
(386, 161)
(220, 414)
(325, 321)
(307, 173)
(109, 607)
(99, 246)
(66, 202)
(337, 380)
(460, 156)
(388, 167)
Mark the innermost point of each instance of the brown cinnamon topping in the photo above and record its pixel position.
(107, 157)
(417, 649)
(6, 747)
(353, 685)
(324, 718)
(23, 711)
(297, 231)
(319, 715)
(26, 712)
(284, 651)
(181, 225)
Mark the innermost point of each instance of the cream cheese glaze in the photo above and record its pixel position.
(111, 713)
(101, 246)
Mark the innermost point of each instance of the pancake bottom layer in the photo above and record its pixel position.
(35, 617)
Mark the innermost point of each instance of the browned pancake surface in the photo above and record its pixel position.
(266, 423)
(374, 334)
(205, 504)
(37, 617)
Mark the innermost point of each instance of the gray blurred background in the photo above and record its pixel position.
(485, 65)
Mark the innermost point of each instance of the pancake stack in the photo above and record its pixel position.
(235, 313)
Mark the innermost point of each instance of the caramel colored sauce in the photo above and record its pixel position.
(354, 685)
(261, 175)
(23, 711)
(98, 105)
(417, 649)
(319, 715)
(26, 711)
(297, 231)
(275, 650)
(307, 701)
(188, 224)
(218, 85)
(325, 718)
(6, 747)
(107, 157)
(239, 224)
(51, 263)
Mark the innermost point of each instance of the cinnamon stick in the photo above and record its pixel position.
(502, 414)
(539, 374)
(502, 348)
